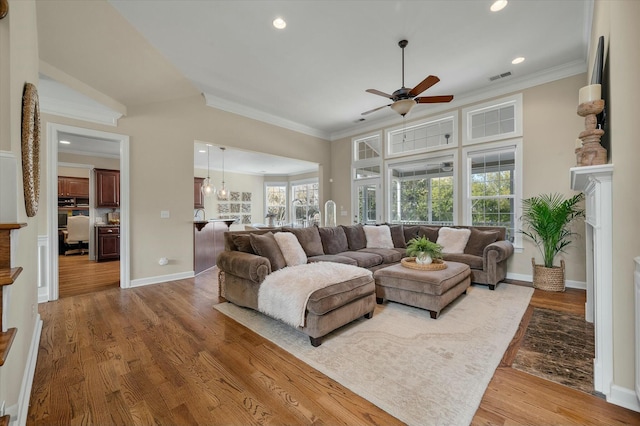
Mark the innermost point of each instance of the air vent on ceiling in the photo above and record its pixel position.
(499, 76)
(359, 120)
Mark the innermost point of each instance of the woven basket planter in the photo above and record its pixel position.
(548, 279)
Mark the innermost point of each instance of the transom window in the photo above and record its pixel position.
(491, 121)
(433, 134)
(367, 148)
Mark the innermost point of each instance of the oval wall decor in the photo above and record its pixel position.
(30, 148)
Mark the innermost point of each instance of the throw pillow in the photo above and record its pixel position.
(453, 240)
(397, 235)
(243, 243)
(410, 232)
(355, 236)
(309, 239)
(478, 240)
(265, 245)
(291, 249)
(428, 231)
(334, 240)
(378, 236)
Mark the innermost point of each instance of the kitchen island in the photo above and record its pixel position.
(208, 243)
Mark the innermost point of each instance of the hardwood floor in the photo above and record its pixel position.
(79, 275)
(162, 355)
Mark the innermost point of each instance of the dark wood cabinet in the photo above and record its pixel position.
(107, 188)
(108, 243)
(198, 196)
(73, 187)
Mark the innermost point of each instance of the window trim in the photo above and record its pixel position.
(517, 143)
(467, 113)
(453, 143)
(354, 150)
(291, 198)
(388, 164)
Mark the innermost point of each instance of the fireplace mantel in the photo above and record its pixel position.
(596, 184)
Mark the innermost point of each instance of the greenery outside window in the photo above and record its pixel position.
(422, 191)
(276, 202)
(493, 187)
(305, 202)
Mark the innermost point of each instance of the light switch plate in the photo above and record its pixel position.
(164, 214)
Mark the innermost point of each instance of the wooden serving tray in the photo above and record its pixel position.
(436, 265)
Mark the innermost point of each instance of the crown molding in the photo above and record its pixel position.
(62, 108)
(245, 111)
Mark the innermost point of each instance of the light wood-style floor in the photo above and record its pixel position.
(162, 355)
(79, 275)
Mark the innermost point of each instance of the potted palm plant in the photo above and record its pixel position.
(424, 250)
(547, 221)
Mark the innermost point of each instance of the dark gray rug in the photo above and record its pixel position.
(559, 347)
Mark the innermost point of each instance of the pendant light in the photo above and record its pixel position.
(207, 187)
(222, 192)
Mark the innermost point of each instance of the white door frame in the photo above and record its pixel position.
(53, 130)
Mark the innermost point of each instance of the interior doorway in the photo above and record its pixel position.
(55, 132)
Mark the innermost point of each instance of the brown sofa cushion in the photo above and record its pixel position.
(333, 258)
(265, 245)
(397, 235)
(388, 255)
(431, 232)
(334, 240)
(363, 260)
(355, 236)
(410, 232)
(243, 243)
(309, 239)
(474, 262)
(478, 240)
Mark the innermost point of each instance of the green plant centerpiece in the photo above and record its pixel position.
(547, 220)
(424, 250)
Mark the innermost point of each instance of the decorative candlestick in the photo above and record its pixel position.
(591, 153)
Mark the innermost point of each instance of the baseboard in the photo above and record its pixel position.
(624, 398)
(529, 278)
(19, 411)
(161, 279)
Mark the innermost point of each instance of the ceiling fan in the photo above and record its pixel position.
(405, 98)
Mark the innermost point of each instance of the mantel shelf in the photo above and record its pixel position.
(8, 276)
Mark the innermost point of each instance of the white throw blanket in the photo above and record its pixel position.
(284, 293)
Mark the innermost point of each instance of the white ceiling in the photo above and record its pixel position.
(311, 76)
(314, 73)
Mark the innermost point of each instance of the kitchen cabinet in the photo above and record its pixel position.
(198, 196)
(108, 243)
(208, 243)
(107, 188)
(73, 187)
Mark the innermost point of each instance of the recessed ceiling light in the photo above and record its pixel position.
(498, 5)
(279, 23)
(518, 60)
(65, 142)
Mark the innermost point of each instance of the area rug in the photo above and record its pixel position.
(560, 347)
(420, 370)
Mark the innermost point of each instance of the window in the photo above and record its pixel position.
(499, 119)
(276, 202)
(305, 204)
(493, 187)
(366, 184)
(422, 191)
(425, 136)
(367, 148)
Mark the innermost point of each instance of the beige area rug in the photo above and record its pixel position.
(420, 370)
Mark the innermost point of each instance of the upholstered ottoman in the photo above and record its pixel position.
(431, 290)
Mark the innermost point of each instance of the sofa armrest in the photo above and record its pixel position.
(244, 265)
(497, 251)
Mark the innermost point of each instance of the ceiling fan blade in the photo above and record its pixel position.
(375, 109)
(434, 99)
(377, 92)
(424, 85)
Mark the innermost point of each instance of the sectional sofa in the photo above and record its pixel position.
(250, 256)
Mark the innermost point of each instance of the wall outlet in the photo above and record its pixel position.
(164, 214)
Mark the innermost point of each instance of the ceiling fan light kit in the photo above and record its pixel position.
(404, 99)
